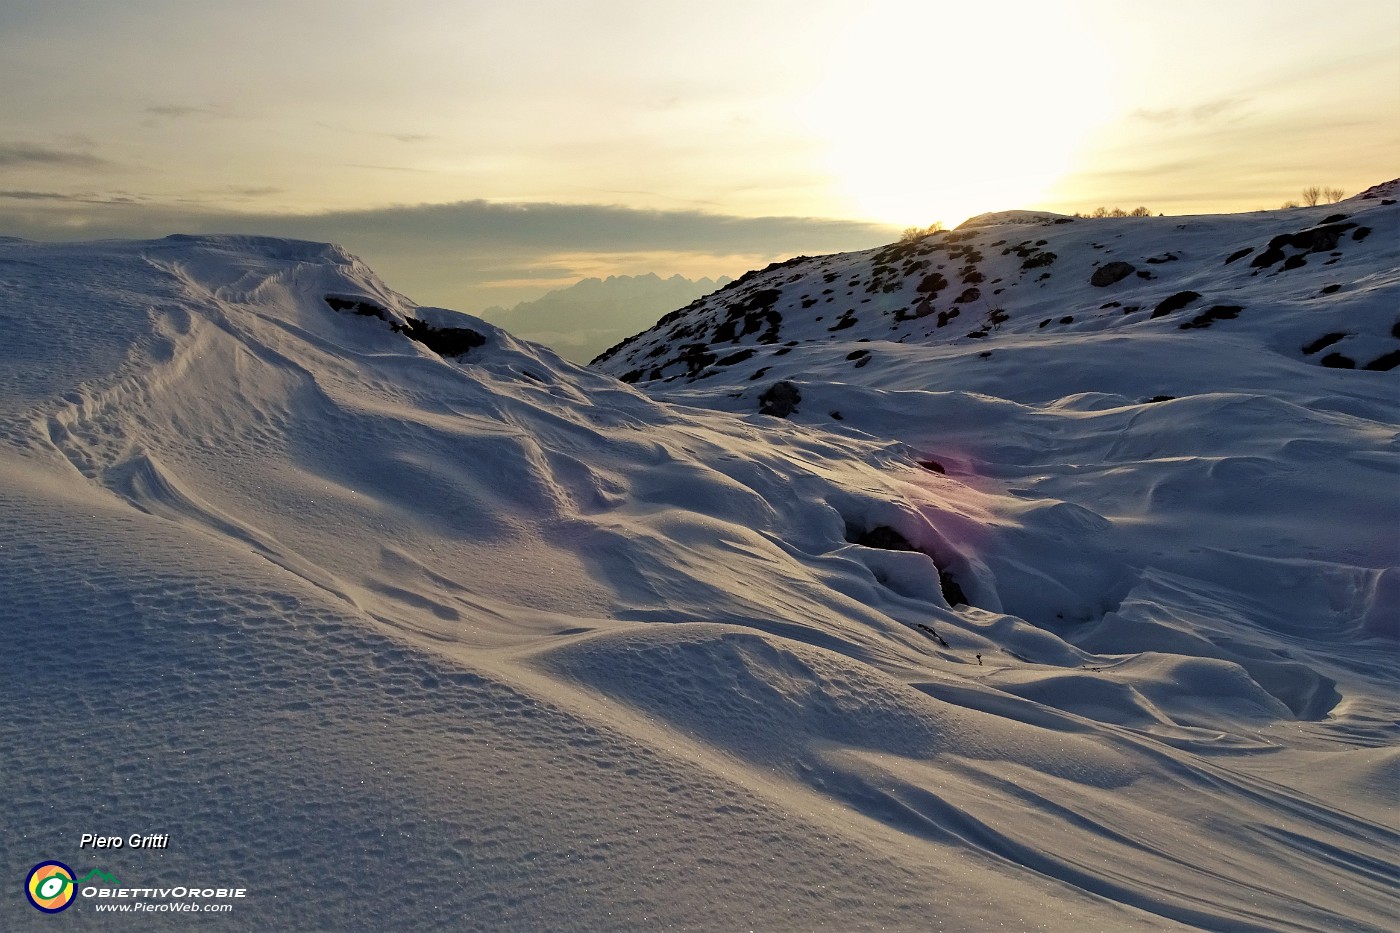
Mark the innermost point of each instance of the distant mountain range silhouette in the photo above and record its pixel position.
(586, 318)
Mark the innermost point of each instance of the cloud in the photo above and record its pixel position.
(39, 196)
(379, 134)
(1199, 115)
(21, 155)
(470, 254)
(178, 111)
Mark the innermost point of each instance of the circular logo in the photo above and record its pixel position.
(49, 887)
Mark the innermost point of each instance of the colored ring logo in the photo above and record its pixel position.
(50, 887)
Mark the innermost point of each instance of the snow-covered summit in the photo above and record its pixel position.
(1004, 218)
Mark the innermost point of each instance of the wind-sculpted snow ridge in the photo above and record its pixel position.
(399, 622)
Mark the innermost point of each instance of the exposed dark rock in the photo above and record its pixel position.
(931, 633)
(1211, 315)
(969, 294)
(779, 400)
(848, 319)
(1322, 343)
(952, 591)
(360, 306)
(1334, 218)
(933, 466)
(1174, 303)
(1238, 254)
(1337, 361)
(1319, 239)
(1329, 289)
(444, 341)
(1384, 362)
(1162, 398)
(1361, 233)
(1039, 259)
(1295, 262)
(881, 536)
(1111, 273)
(1067, 319)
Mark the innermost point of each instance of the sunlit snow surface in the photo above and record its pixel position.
(400, 642)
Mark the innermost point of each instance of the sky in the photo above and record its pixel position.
(479, 153)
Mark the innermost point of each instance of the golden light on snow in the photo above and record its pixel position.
(934, 112)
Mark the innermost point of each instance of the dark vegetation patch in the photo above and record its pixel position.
(1174, 303)
(695, 357)
(847, 319)
(932, 284)
(752, 274)
(736, 357)
(1111, 273)
(1323, 342)
(969, 294)
(1039, 259)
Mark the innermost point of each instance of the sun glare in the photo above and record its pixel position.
(938, 112)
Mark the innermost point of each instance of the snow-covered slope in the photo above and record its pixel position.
(401, 623)
(1315, 285)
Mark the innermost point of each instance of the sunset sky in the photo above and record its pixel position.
(479, 153)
